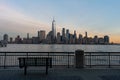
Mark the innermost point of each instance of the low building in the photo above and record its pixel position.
(101, 40)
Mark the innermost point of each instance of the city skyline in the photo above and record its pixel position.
(95, 17)
(65, 37)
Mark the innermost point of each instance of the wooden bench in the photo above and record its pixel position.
(25, 62)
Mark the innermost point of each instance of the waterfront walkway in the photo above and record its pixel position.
(60, 74)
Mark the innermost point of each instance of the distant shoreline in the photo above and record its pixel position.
(72, 44)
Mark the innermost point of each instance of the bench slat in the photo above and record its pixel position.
(39, 61)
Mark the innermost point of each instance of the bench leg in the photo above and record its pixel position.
(50, 63)
(46, 66)
(46, 70)
(25, 70)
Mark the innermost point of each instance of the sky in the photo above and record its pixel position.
(97, 17)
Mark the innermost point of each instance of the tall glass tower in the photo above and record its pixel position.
(53, 29)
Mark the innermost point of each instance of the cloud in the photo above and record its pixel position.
(13, 21)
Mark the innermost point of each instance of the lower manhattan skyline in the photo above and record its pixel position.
(53, 37)
(95, 17)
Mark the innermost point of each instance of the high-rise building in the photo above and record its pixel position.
(71, 39)
(85, 40)
(58, 38)
(27, 35)
(63, 32)
(5, 37)
(49, 38)
(106, 39)
(42, 35)
(18, 40)
(67, 36)
(63, 35)
(53, 29)
(86, 34)
(96, 39)
(80, 36)
(11, 40)
(39, 35)
(80, 39)
(75, 37)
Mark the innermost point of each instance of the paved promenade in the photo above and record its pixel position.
(60, 74)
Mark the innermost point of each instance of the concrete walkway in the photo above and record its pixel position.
(61, 74)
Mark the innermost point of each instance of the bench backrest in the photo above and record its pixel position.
(35, 61)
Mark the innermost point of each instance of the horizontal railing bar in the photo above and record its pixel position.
(36, 52)
(56, 52)
(65, 52)
(18, 65)
(58, 55)
(102, 55)
(99, 52)
(10, 66)
(55, 55)
(60, 65)
(36, 55)
(102, 65)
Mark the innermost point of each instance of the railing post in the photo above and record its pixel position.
(5, 60)
(109, 60)
(48, 54)
(68, 59)
(27, 54)
(90, 60)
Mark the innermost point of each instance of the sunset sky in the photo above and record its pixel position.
(97, 17)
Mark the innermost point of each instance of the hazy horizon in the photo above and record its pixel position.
(97, 17)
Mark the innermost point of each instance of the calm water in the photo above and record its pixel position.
(70, 48)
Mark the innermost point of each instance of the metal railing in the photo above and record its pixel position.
(10, 59)
(102, 59)
(67, 59)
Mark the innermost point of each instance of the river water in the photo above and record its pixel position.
(60, 48)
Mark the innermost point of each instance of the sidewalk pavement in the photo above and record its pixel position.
(60, 74)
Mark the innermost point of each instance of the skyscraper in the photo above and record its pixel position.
(63, 35)
(42, 35)
(80, 38)
(5, 37)
(85, 40)
(96, 39)
(63, 32)
(58, 38)
(27, 35)
(86, 34)
(74, 37)
(106, 39)
(67, 36)
(75, 34)
(53, 29)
